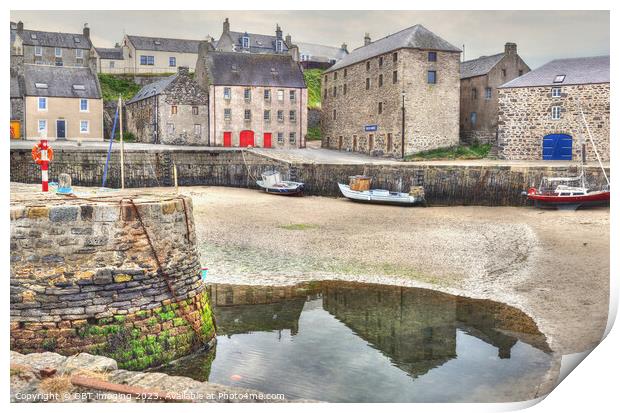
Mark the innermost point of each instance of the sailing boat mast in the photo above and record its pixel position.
(598, 158)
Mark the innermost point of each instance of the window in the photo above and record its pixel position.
(147, 60)
(431, 77)
(79, 53)
(503, 72)
(267, 95)
(292, 95)
(335, 91)
(395, 57)
(559, 79)
(474, 94)
(394, 76)
(488, 92)
(247, 94)
(247, 115)
(172, 61)
(389, 142)
(281, 95)
(334, 115)
(57, 52)
(367, 66)
(473, 117)
(194, 110)
(344, 89)
(245, 42)
(197, 129)
(367, 83)
(84, 126)
(38, 51)
(292, 138)
(381, 80)
(325, 93)
(345, 72)
(280, 137)
(335, 75)
(292, 116)
(173, 109)
(111, 64)
(58, 61)
(556, 92)
(380, 108)
(279, 45)
(83, 105)
(170, 128)
(227, 93)
(555, 112)
(42, 126)
(432, 56)
(267, 116)
(380, 61)
(42, 103)
(280, 116)
(227, 114)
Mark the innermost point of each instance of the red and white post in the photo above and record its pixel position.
(44, 165)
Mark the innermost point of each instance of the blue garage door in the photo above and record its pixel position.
(558, 147)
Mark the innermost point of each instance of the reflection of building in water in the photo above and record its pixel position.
(246, 308)
(415, 328)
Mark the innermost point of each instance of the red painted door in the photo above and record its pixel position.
(267, 140)
(246, 138)
(227, 138)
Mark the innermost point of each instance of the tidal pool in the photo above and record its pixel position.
(353, 342)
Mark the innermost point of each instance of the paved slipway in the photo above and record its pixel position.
(553, 265)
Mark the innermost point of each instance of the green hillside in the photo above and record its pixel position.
(313, 82)
(113, 85)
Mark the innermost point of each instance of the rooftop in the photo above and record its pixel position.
(576, 71)
(55, 81)
(51, 39)
(414, 37)
(319, 52)
(259, 43)
(153, 89)
(479, 66)
(162, 44)
(110, 53)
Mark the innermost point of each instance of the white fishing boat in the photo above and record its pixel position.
(362, 193)
(272, 183)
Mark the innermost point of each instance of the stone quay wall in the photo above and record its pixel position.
(84, 278)
(445, 184)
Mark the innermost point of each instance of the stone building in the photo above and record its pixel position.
(49, 48)
(255, 99)
(318, 56)
(540, 112)
(110, 60)
(143, 54)
(480, 79)
(365, 94)
(61, 103)
(246, 42)
(17, 95)
(172, 111)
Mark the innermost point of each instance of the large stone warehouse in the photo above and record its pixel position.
(408, 81)
(539, 112)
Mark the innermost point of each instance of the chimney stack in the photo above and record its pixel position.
(367, 39)
(510, 48)
(86, 31)
(20, 26)
(278, 32)
(288, 40)
(226, 25)
(344, 47)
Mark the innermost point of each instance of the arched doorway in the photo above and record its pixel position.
(557, 147)
(246, 138)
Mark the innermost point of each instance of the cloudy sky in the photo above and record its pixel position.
(540, 35)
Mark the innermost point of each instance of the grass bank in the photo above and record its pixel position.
(114, 85)
(313, 82)
(455, 152)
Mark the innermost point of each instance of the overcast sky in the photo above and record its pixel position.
(540, 35)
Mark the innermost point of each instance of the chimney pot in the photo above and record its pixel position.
(367, 40)
(344, 47)
(226, 25)
(20, 26)
(86, 31)
(510, 48)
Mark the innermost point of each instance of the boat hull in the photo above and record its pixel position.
(380, 197)
(289, 188)
(572, 202)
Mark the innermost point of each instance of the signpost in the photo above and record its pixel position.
(370, 128)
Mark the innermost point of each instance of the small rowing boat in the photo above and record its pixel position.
(359, 190)
(272, 183)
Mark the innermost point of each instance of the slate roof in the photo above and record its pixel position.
(321, 53)
(153, 89)
(414, 37)
(479, 66)
(253, 69)
(259, 43)
(578, 71)
(51, 39)
(115, 53)
(165, 44)
(60, 81)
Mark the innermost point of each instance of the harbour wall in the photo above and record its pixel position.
(104, 277)
(445, 184)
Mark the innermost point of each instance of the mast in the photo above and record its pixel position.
(598, 158)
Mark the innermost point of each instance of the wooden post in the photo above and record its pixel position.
(120, 116)
(176, 183)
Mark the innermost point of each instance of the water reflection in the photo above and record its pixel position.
(341, 341)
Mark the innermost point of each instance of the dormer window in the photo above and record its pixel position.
(76, 39)
(38, 51)
(274, 72)
(245, 42)
(57, 52)
(559, 79)
(33, 36)
(233, 68)
(79, 87)
(279, 45)
(157, 43)
(40, 85)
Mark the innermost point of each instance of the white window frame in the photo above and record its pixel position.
(197, 129)
(247, 115)
(245, 42)
(171, 60)
(292, 116)
(559, 79)
(554, 90)
(79, 53)
(247, 94)
(556, 112)
(292, 95)
(279, 46)
(39, 100)
(87, 105)
(57, 51)
(280, 137)
(229, 116)
(292, 137)
(280, 95)
(227, 93)
(87, 126)
(488, 93)
(39, 126)
(111, 64)
(38, 51)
